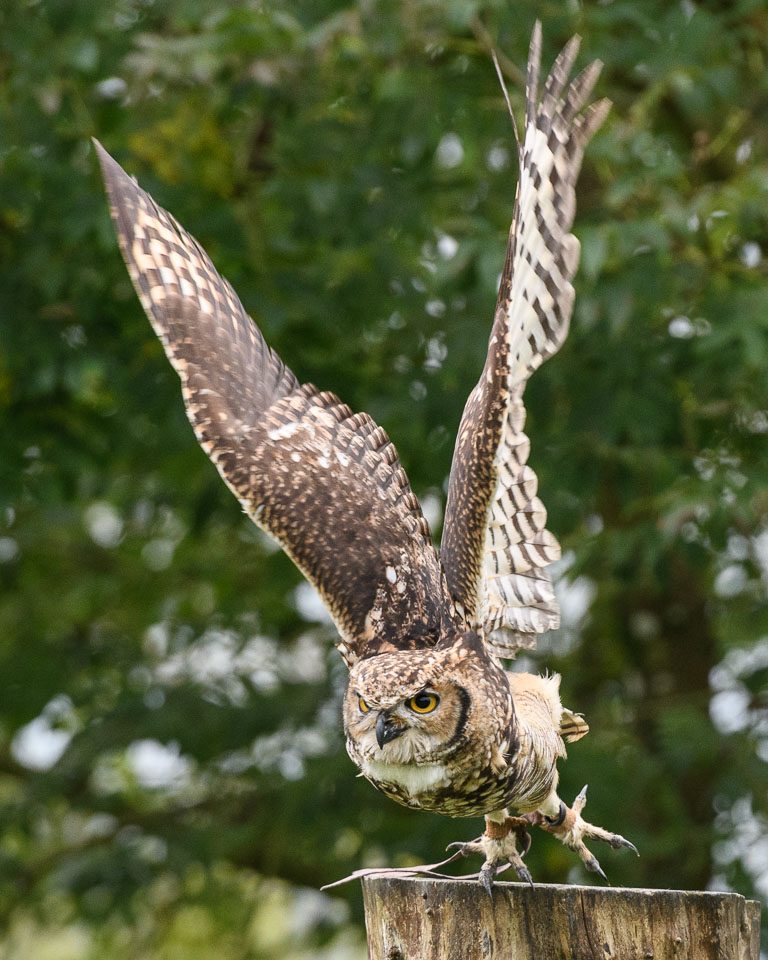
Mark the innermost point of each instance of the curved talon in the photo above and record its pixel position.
(486, 876)
(523, 874)
(618, 842)
(525, 838)
(466, 848)
(560, 818)
(581, 799)
(593, 865)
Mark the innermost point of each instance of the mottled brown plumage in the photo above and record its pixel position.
(431, 717)
(325, 482)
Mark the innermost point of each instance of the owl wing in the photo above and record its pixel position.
(324, 482)
(496, 547)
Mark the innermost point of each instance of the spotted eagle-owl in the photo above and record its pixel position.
(431, 717)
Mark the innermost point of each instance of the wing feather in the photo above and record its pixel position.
(325, 482)
(496, 548)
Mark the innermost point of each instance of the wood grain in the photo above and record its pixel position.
(415, 919)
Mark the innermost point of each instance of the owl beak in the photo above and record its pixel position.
(387, 729)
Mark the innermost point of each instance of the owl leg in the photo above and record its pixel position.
(568, 826)
(498, 845)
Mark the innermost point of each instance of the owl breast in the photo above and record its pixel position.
(448, 787)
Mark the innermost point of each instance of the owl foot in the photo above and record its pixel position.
(573, 830)
(498, 845)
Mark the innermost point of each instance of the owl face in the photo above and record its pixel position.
(420, 707)
(414, 725)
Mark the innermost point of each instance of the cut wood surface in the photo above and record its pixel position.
(420, 919)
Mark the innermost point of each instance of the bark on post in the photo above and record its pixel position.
(415, 919)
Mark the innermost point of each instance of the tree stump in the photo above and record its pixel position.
(415, 919)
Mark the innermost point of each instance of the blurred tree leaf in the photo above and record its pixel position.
(172, 770)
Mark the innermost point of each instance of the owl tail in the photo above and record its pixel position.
(572, 726)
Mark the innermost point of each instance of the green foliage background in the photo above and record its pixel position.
(173, 780)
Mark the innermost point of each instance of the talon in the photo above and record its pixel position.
(560, 818)
(520, 827)
(486, 877)
(523, 874)
(581, 800)
(614, 840)
(622, 842)
(592, 864)
(525, 838)
(466, 848)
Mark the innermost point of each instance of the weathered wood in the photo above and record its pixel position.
(416, 919)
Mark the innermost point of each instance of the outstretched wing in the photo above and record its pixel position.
(496, 547)
(324, 482)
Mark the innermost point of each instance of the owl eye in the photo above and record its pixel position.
(423, 702)
(364, 708)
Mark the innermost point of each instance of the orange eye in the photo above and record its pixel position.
(423, 702)
(364, 708)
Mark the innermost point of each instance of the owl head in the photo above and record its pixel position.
(421, 706)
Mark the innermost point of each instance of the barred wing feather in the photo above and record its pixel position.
(325, 482)
(496, 548)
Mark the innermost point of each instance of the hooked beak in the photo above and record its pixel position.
(386, 729)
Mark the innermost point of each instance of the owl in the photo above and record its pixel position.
(432, 719)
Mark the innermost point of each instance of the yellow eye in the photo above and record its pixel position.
(364, 708)
(423, 702)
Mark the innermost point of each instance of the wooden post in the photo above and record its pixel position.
(420, 919)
